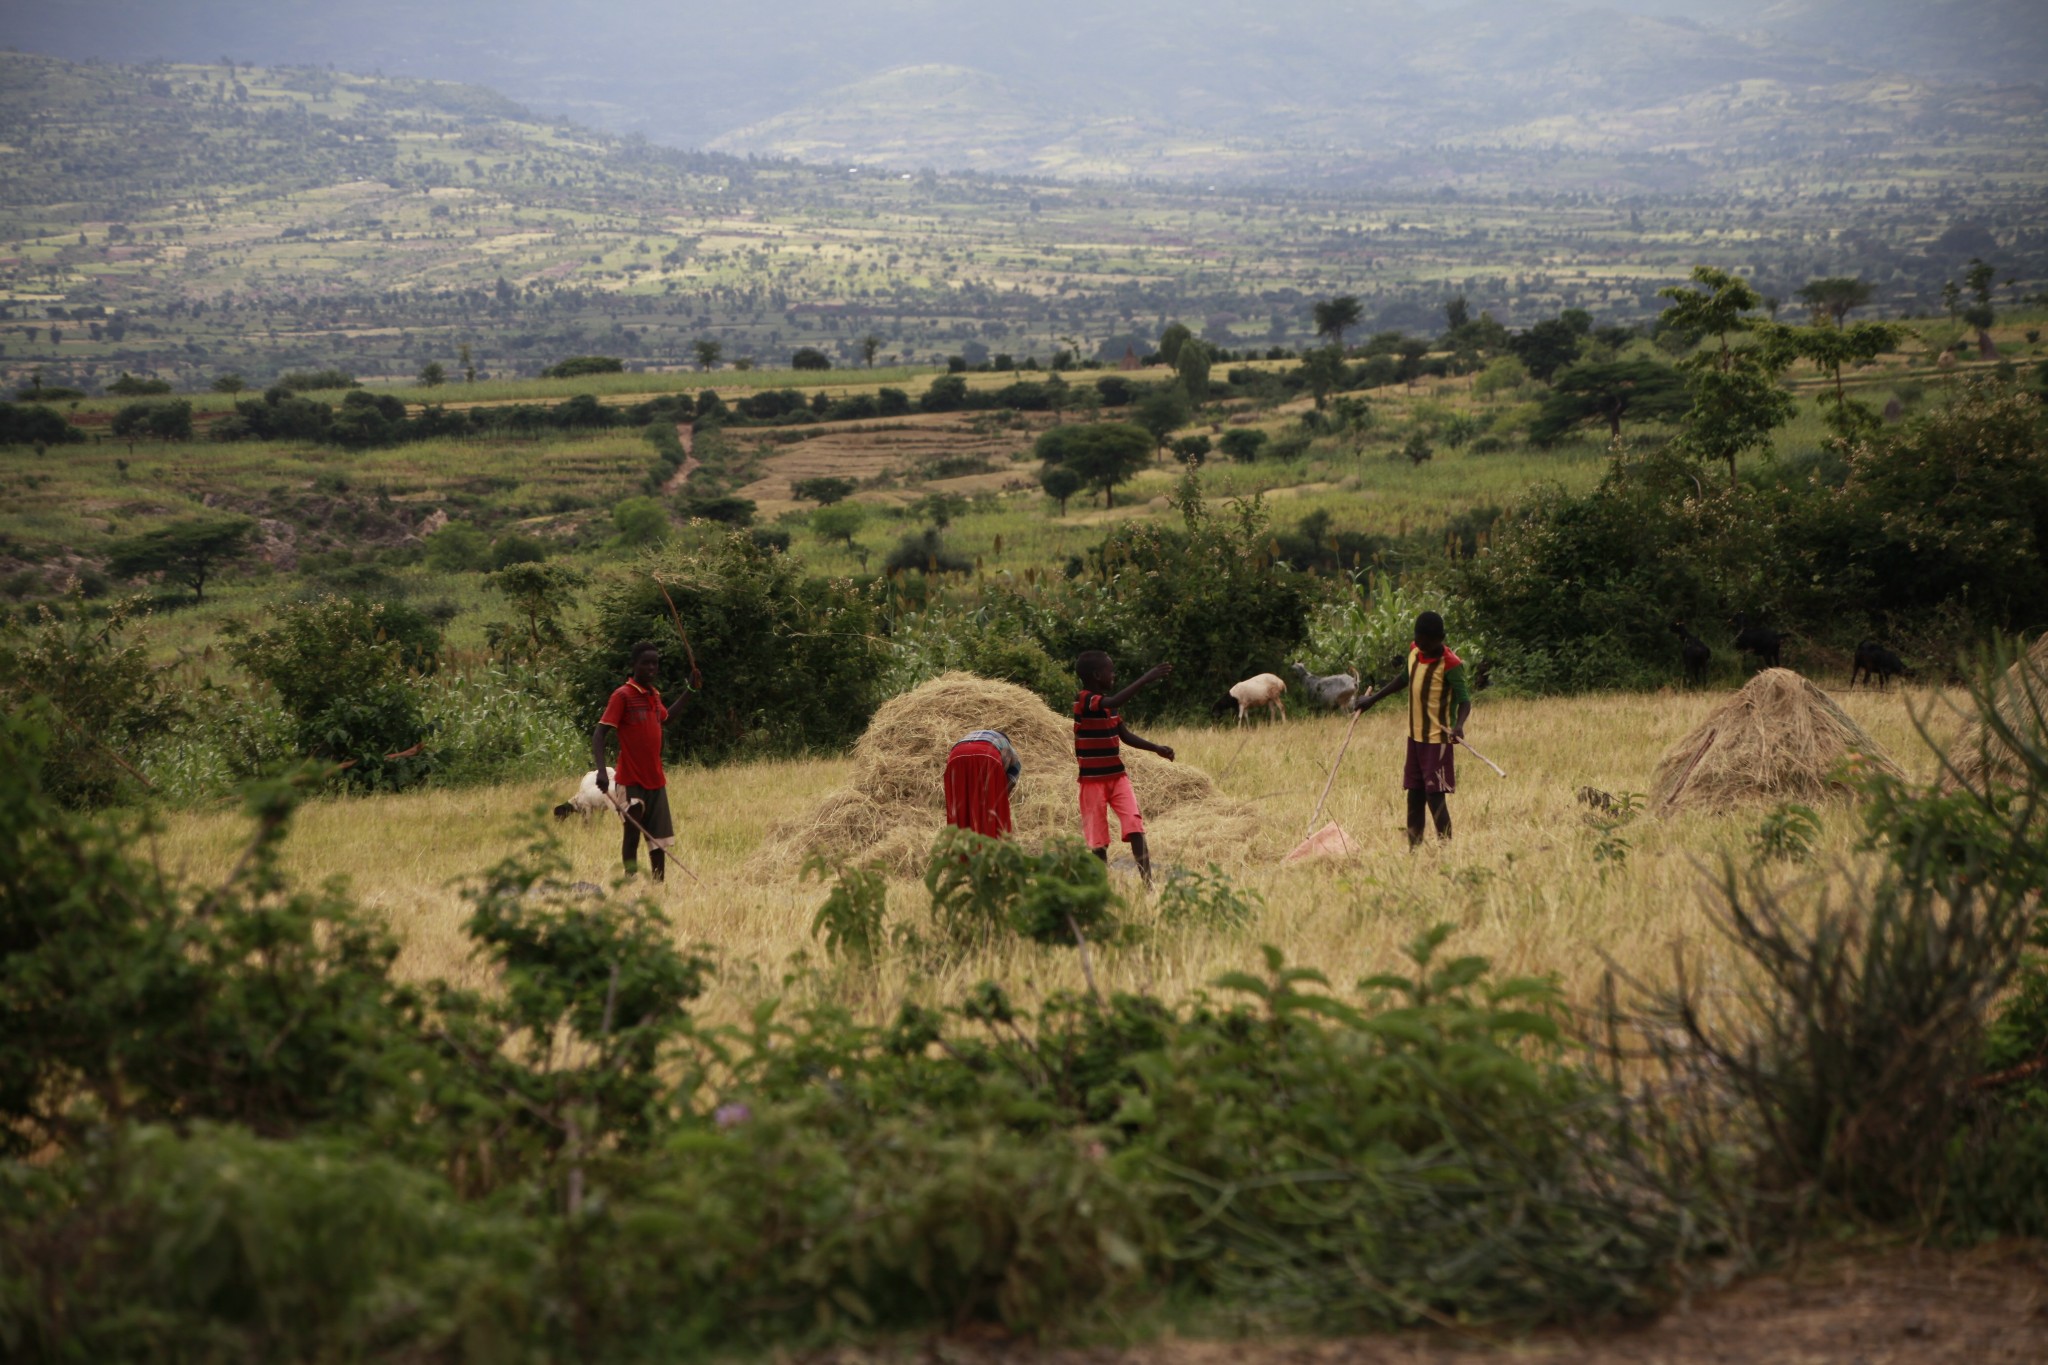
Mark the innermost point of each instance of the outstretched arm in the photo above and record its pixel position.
(1123, 732)
(1366, 703)
(1143, 681)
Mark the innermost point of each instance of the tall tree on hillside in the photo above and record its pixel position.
(1192, 365)
(1322, 369)
(1832, 348)
(707, 352)
(1457, 313)
(1334, 317)
(1833, 297)
(1979, 314)
(1171, 340)
(870, 347)
(1736, 400)
(1545, 348)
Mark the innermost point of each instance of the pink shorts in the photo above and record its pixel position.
(1100, 796)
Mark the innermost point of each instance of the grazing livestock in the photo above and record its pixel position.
(1695, 653)
(588, 800)
(1873, 660)
(1334, 690)
(1754, 639)
(1266, 690)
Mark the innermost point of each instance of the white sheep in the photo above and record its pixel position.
(1334, 691)
(588, 800)
(1264, 689)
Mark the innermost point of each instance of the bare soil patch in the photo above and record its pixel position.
(1984, 1306)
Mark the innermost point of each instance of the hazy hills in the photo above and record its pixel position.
(1283, 90)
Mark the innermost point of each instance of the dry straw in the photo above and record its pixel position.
(1779, 739)
(2022, 699)
(895, 805)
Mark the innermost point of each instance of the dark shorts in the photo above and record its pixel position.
(653, 813)
(1430, 768)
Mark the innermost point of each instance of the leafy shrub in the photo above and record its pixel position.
(1787, 832)
(791, 662)
(458, 547)
(99, 690)
(979, 886)
(851, 919)
(640, 522)
(342, 674)
(1206, 900)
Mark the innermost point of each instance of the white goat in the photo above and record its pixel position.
(588, 800)
(1263, 689)
(1334, 691)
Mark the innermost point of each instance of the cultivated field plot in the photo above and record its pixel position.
(1522, 879)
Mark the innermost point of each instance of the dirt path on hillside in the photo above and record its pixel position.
(1986, 1306)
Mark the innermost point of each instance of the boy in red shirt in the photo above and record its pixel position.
(1098, 734)
(636, 714)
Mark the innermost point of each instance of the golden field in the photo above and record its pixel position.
(1519, 880)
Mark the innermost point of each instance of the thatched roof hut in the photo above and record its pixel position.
(1779, 739)
(1982, 758)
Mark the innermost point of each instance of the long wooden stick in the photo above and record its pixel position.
(696, 674)
(665, 845)
(1333, 771)
(1498, 770)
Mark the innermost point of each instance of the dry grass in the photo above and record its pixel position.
(1781, 738)
(1978, 757)
(1519, 879)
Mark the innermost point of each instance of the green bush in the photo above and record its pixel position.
(342, 675)
(99, 689)
(981, 887)
(791, 663)
(458, 547)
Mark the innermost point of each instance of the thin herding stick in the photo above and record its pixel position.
(1498, 770)
(665, 845)
(1332, 781)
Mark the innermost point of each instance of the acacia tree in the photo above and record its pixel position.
(707, 352)
(870, 347)
(1171, 340)
(1610, 392)
(1833, 297)
(188, 552)
(1101, 454)
(1334, 317)
(1059, 483)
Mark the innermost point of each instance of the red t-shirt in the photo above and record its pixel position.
(637, 713)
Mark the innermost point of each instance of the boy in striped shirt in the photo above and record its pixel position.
(1439, 703)
(1099, 733)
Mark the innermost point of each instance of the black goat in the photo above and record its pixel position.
(1753, 639)
(1873, 660)
(1695, 653)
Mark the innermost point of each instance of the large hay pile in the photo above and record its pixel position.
(1778, 739)
(2022, 696)
(896, 803)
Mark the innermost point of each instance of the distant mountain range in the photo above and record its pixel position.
(1279, 90)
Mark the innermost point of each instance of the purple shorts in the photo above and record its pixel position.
(1430, 768)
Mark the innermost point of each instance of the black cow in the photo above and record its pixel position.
(1873, 660)
(1754, 639)
(1695, 653)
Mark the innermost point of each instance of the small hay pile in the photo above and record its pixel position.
(1778, 739)
(896, 804)
(2023, 704)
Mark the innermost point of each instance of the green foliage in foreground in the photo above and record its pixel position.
(252, 1142)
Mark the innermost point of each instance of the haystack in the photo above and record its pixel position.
(895, 805)
(1778, 739)
(2022, 694)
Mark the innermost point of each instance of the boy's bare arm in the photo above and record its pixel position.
(1143, 680)
(1399, 684)
(600, 740)
(1123, 732)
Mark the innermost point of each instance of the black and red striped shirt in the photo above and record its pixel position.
(1097, 747)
